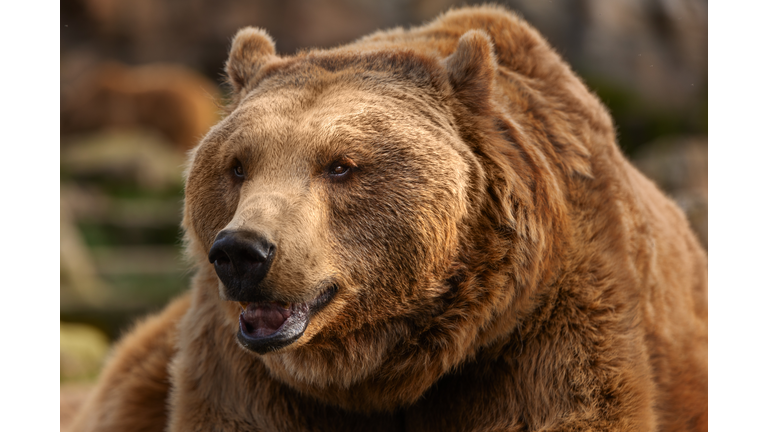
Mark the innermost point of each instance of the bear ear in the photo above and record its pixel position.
(471, 70)
(252, 48)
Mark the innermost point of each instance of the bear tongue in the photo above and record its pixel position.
(263, 319)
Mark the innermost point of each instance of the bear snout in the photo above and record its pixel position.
(242, 260)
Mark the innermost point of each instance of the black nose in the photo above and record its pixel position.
(242, 260)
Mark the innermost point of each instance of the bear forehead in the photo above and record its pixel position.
(335, 113)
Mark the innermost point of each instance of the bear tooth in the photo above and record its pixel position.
(243, 305)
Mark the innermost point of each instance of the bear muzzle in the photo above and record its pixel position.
(242, 259)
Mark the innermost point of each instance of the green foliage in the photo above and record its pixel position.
(639, 121)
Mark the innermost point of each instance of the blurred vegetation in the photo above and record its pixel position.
(83, 349)
(121, 203)
(639, 122)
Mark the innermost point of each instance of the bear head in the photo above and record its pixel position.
(358, 205)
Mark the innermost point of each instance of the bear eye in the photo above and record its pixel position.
(340, 169)
(238, 170)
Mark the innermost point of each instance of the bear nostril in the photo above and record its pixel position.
(217, 255)
(242, 260)
(259, 253)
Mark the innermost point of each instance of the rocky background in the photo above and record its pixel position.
(139, 87)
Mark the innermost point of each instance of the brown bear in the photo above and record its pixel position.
(425, 230)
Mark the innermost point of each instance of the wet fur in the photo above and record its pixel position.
(512, 271)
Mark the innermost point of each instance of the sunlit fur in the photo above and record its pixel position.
(500, 264)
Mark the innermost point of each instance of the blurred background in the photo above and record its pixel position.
(140, 85)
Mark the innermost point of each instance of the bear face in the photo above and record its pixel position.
(355, 186)
(307, 169)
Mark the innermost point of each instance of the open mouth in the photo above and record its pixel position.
(269, 326)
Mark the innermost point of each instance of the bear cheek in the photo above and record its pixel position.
(369, 240)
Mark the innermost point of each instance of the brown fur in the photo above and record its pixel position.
(500, 265)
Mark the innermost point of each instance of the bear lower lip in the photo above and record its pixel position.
(266, 327)
(269, 326)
